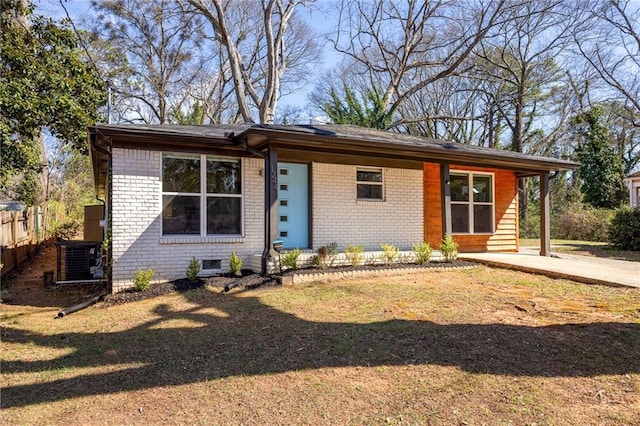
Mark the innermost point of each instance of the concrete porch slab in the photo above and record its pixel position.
(585, 269)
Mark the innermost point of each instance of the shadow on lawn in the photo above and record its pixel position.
(250, 338)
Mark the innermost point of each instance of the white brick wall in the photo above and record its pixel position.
(136, 233)
(339, 217)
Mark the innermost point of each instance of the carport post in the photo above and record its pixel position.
(270, 206)
(545, 216)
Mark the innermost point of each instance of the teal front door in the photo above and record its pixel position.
(293, 205)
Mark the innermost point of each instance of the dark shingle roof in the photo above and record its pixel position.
(326, 138)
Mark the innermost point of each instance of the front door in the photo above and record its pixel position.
(293, 205)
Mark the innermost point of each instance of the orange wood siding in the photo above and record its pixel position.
(505, 237)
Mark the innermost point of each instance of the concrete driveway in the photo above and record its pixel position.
(586, 269)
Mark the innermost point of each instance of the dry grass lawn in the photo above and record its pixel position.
(473, 347)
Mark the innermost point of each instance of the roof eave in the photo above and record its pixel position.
(260, 138)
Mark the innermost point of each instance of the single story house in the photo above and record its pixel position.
(177, 192)
(633, 184)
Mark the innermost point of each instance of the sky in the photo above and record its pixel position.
(319, 20)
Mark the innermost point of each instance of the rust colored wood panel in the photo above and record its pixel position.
(505, 237)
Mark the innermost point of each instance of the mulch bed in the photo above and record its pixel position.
(253, 281)
(222, 282)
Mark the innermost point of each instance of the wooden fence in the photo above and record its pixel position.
(19, 236)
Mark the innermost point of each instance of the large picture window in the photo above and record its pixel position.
(471, 203)
(201, 195)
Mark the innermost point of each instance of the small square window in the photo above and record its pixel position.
(284, 187)
(369, 184)
(284, 172)
(284, 234)
(284, 218)
(284, 203)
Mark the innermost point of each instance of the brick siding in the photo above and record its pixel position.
(136, 223)
(339, 217)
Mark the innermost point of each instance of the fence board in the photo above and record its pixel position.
(19, 237)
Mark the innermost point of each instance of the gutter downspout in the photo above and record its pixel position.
(107, 206)
(267, 243)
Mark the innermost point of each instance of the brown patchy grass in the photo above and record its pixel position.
(586, 248)
(481, 346)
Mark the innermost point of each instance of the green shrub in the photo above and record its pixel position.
(193, 270)
(449, 248)
(235, 264)
(142, 280)
(624, 230)
(579, 221)
(289, 258)
(353, 253)
(390, 253)
(422, 251)
(530, 227)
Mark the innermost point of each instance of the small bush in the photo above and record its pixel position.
(422, 251)
(142, 280)
(289, 258)
(193, 270)
(66, 230)
(449, 248)
(326, 255)
(390, 253)
(353, 253)
(624, 230)
(235, 264)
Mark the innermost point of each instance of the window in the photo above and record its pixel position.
(201, 195)
(369, 184)
(471, 203)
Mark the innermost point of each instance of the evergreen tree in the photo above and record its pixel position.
(369, 111)
(601, 170)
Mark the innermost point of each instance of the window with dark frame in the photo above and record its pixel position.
(369, 184)
(472, 205)
(201, 195)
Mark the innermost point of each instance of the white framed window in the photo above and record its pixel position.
(201, 195)
(369, 184)
(472, 203)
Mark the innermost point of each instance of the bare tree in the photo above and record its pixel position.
(405, 47)
(268, 48)
(155, 55)
(522, 77)
(610, 43)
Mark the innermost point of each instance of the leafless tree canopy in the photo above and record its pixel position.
(153, 57)
(610, 42)
(267, 47)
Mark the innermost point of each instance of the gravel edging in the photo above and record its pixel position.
(301, 276)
